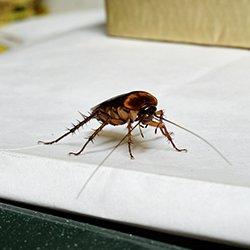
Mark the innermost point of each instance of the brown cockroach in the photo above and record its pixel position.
(135, 106)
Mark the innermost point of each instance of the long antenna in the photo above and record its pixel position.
(208, 143)
(101, 163)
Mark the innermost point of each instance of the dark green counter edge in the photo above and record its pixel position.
(37, 228)
(25, 229)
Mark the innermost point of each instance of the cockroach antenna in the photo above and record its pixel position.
(101, 163)
(201, 138)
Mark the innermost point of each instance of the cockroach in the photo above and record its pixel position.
(135, 106)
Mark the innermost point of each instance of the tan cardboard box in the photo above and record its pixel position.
(210, 22)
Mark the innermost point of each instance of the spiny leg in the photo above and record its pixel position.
(89, 139)
(130, 139)
(165, 133)
(72, 130)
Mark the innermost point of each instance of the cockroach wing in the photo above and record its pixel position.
(115, 101)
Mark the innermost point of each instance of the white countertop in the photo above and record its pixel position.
(67, 63)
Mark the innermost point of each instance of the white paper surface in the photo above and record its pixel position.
(43, 85)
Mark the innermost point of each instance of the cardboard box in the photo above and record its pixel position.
(210, 22)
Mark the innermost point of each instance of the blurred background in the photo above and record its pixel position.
(12, 11)
(218, 23)
(65, 5)
(25, 8)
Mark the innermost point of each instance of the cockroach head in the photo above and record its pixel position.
(148, 110)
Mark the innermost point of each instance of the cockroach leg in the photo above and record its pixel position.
(142, 135)
(130, 139)
(165, 133)
(72, 130)
(159, 115)
(89, 139)
(156, 129)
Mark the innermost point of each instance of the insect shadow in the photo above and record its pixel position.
(110, 137)
(113, 137)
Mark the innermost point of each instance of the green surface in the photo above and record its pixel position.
(25, 229)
